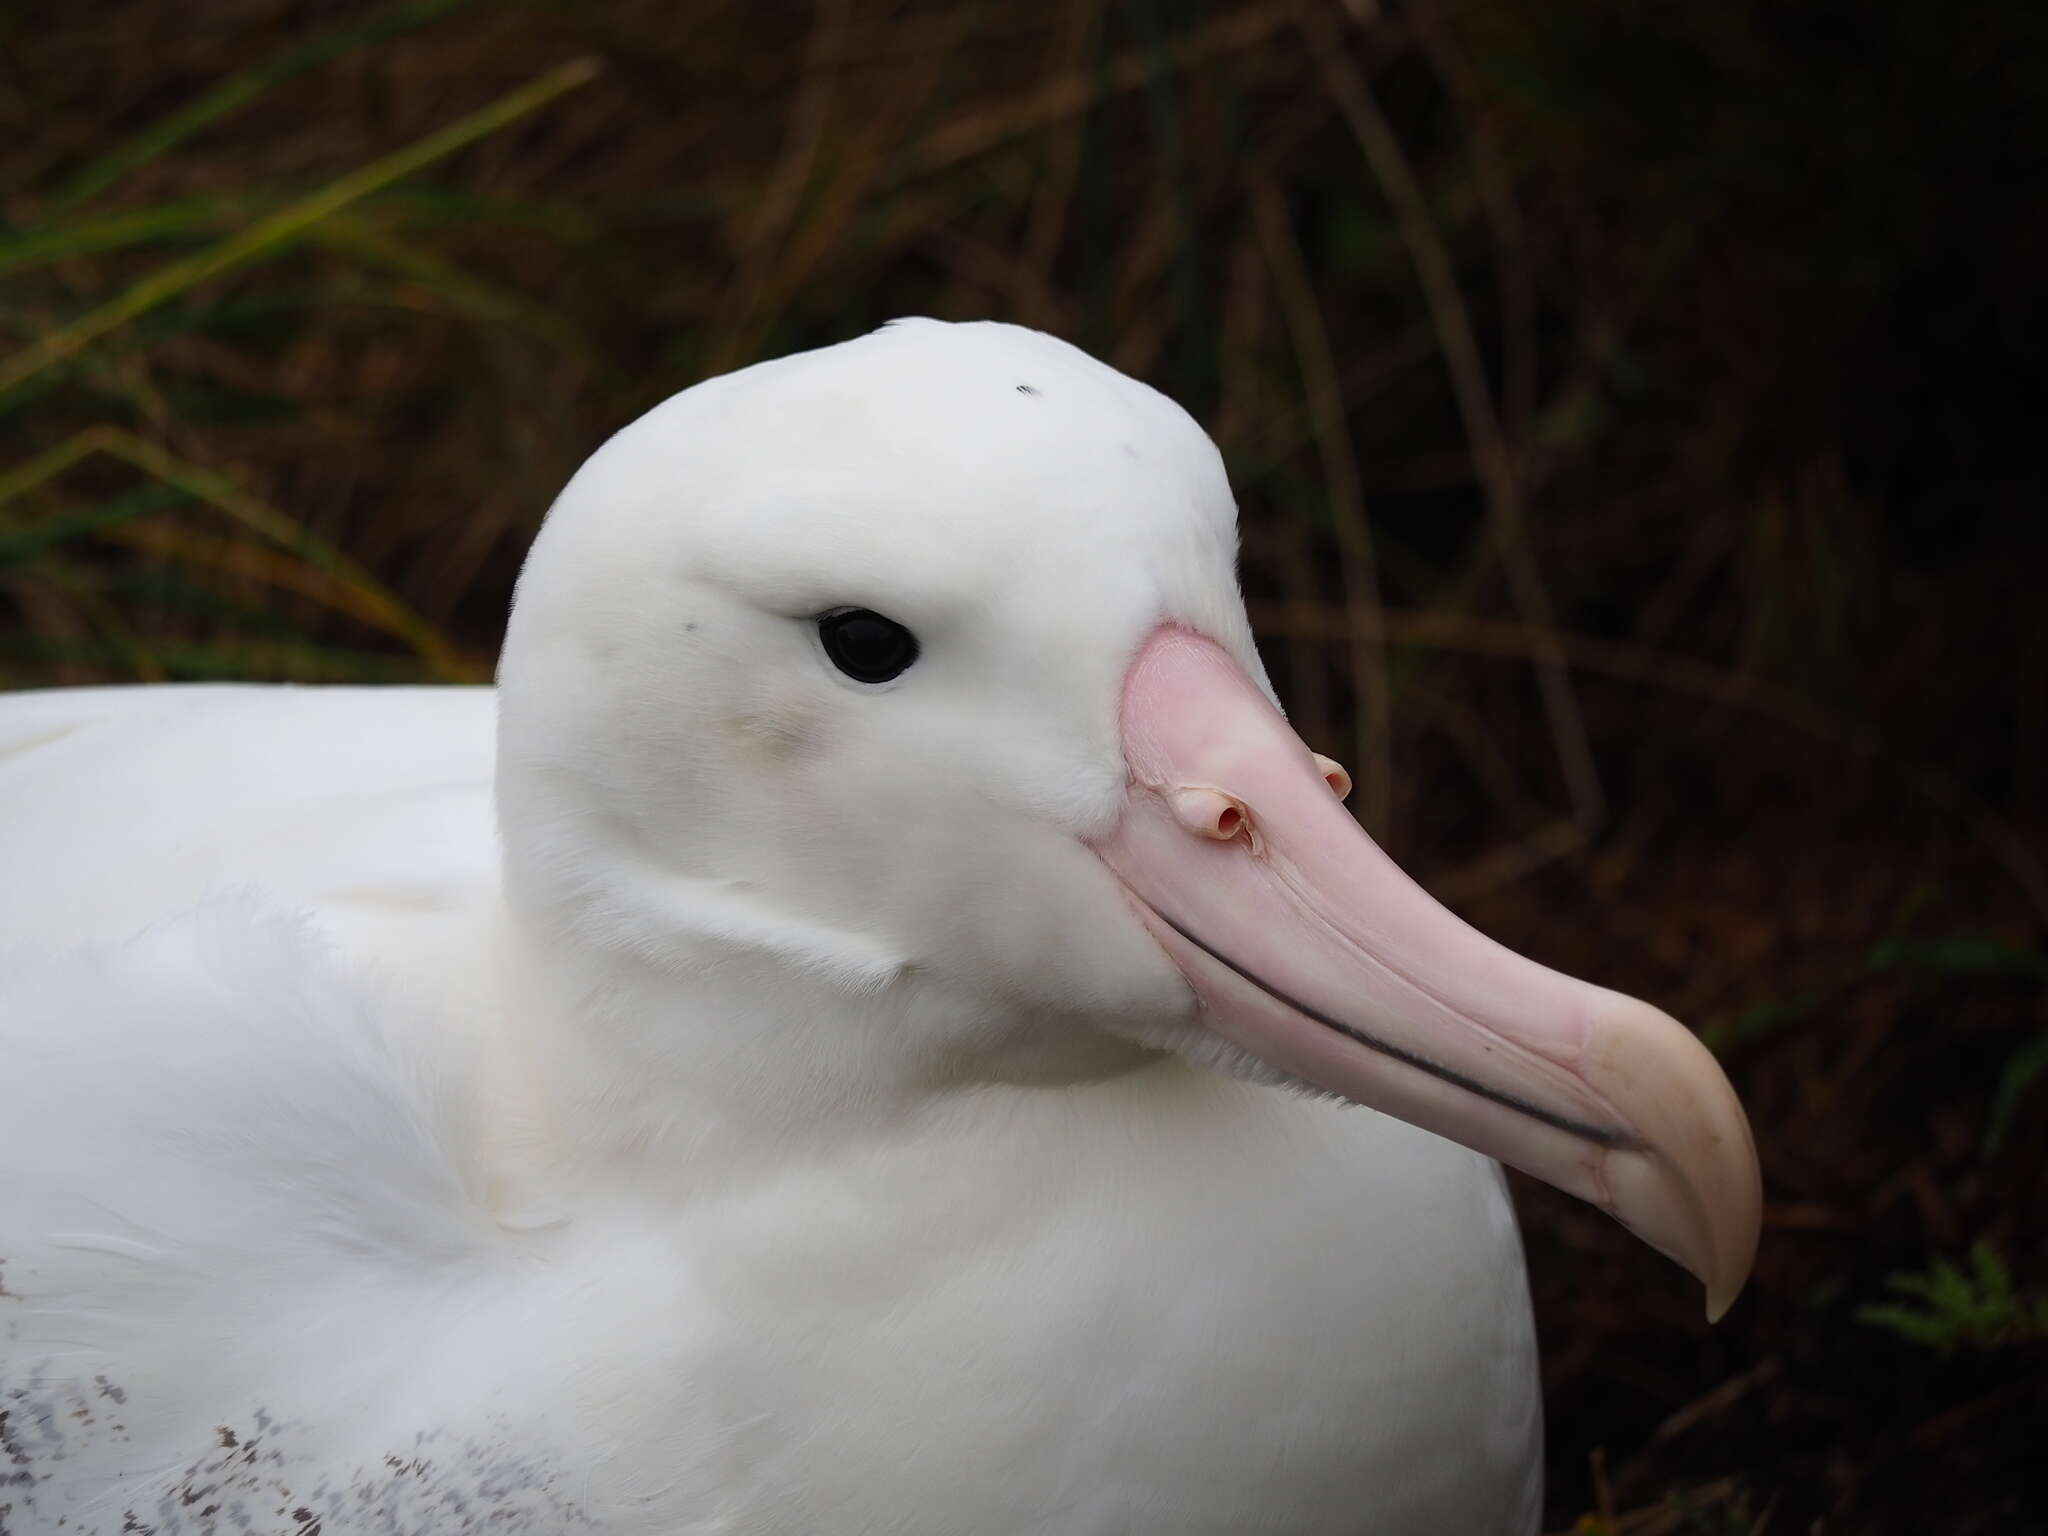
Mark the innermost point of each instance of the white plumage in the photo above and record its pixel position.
(763, 1129)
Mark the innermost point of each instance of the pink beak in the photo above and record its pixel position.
(1308, 948)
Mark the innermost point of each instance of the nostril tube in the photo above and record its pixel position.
(1209, 813)
(1333, 774)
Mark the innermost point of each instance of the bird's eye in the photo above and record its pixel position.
(866, 646)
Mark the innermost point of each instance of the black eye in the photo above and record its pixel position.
(866, 646)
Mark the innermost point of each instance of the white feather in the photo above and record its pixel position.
(770, 1138)
(246, 1259)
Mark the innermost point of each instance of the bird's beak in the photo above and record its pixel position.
(1308, 948)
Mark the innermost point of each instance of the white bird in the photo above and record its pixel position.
(801, 1055)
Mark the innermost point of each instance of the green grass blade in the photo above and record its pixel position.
(236, 92)
(113, 232)
(2026, 1067)
(18, 545)
(462, 292)
(288, 223)
(113, 634)
(369, 599)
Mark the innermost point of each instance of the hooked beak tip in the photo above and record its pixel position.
(1692, 1187)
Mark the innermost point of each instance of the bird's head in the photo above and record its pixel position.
(913, 673)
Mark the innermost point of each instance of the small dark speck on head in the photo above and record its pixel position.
(690, 629)
(1131, 452)
(1026, 389)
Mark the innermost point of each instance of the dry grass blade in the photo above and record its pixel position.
(1679, 674)
(1495, 184)
(808, 112)
(238, 91)
(289, 222)
(1719, 1399)
(771, 278)
(453, 288)
(89, 612)
(1346, 500)
(1078, 90)
(1491, 453)
(331, 573)
(272, 567)
(763, 233)
(1508, 863)
(1054, 198)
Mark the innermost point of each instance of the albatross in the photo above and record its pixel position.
(875, 1024)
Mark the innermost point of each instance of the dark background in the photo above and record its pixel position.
(1636, 410)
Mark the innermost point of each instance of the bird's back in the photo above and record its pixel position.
(247, 1282)
(247, 1276)
(122, 806)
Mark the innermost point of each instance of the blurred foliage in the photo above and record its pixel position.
(1953, 1307)
(1635, 411)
